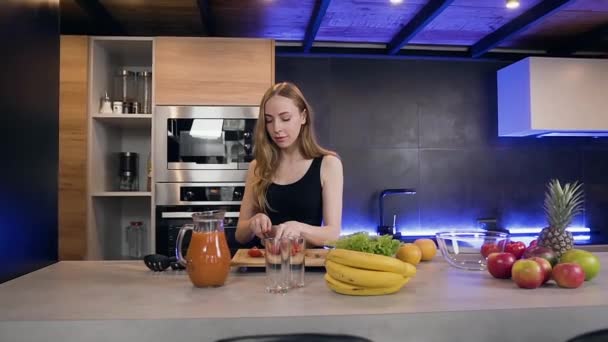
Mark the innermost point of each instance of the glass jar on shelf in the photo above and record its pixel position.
(125, 88)
(136, 232)
(144, 92)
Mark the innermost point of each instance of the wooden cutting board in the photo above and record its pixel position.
(315, 257)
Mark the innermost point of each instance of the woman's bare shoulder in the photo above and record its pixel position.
(331, 163)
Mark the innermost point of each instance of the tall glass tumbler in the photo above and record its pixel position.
(278, 257)
(296, 264)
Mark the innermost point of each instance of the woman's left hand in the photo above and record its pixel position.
(289, 229)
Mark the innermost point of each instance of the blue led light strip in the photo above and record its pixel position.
(516, 231)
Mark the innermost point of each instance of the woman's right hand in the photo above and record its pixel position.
(260, 225)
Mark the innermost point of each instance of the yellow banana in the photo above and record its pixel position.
(347, 289)
(370, 261)
(330, 280)
(361, 277)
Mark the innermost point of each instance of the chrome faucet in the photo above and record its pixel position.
(390, 230)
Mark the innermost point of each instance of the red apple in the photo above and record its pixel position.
(500, 264)
(542, 252)
(568, 275)
(545, 266)
(533, 243)
(489, 248)
(516, 248)
(527, 274)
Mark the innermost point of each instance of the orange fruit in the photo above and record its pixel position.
(409, 253)
(428, 248)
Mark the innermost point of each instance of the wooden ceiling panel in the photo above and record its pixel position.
(465, 22)
(374, 21)
(168, 17)
(281, 20)
(588, 5)
(577, 18)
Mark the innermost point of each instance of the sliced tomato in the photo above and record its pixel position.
(295, 248)
(255, 252)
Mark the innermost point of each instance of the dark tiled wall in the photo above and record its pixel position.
(432, 125)
(29, 121)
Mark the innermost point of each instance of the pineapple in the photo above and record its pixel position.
(561, 205)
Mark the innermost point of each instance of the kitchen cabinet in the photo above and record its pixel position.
(212, 71)
(93, 214)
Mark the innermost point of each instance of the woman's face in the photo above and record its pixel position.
(283, 120)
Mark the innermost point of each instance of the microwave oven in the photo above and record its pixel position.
(203, 143)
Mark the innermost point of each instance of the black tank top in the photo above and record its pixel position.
(300, 201)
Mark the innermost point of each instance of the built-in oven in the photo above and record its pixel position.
(203, 143)
(175, 203)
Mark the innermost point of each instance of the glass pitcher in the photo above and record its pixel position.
(207, 260)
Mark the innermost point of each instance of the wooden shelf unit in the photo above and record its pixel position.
(125, 120)
(110, 211)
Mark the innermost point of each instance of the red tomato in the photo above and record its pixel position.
(516, 248)
(489, 248)
(255, 252)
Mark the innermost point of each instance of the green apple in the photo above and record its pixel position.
(587, 260)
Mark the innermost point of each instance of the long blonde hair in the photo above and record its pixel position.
(266, 152)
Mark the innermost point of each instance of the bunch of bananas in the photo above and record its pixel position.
(365, 274)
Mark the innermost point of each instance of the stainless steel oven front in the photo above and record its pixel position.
(203, 143)
(176, 202)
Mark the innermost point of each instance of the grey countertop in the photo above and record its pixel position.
(77, 291)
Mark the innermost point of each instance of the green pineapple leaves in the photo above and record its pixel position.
(562, 204)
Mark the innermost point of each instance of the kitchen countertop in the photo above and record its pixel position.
(77, 293)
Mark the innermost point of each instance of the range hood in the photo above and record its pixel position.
(541, 96)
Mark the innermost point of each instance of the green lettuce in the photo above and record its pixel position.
(362, 242)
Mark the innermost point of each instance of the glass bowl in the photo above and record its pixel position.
(462, 249)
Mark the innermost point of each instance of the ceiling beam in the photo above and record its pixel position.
(379, 52)
(207, 19)
(520, 23)
(315, 23)
(582, 42)
(431, 10)
(100, 15)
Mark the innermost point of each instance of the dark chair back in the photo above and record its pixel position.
(593, 336)
(296, 338)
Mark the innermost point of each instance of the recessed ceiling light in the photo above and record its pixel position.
(396, 2)
(512, 4)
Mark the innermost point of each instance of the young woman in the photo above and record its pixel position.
(294, 186)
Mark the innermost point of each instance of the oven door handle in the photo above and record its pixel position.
(188, 214)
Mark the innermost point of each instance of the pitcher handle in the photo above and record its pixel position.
(178, 247)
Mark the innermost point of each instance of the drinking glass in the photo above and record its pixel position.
(296, 265)
(278, 257)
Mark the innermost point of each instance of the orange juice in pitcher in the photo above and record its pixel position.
(207, 260)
